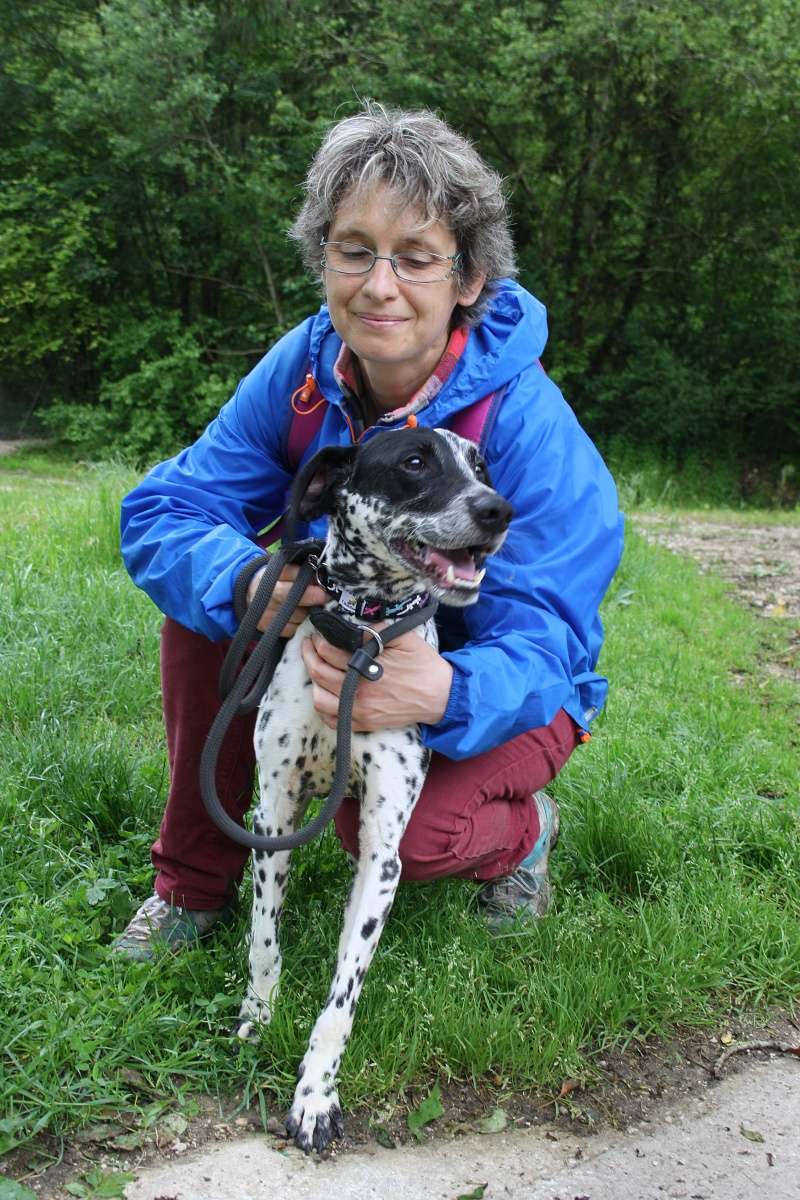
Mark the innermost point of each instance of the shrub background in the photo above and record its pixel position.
(151, 154)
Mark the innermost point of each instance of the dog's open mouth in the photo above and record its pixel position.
(448, 566)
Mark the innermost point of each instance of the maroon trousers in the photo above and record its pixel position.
(475, 818)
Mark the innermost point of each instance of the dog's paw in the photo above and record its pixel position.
(315, 1120)
(253, 1014)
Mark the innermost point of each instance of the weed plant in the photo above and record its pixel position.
(677, 874)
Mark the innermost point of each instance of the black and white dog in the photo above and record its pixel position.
(410, 512)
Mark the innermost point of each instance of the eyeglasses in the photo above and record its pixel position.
(412, 266)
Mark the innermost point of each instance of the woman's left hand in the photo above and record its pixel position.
(414, 687)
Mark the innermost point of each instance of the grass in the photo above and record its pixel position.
(678, 871)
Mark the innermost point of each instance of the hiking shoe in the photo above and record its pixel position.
(524, 896)
(157, 925)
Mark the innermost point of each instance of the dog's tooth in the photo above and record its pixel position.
(478, 577)
(450, 577)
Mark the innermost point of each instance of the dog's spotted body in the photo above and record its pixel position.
(409, 512)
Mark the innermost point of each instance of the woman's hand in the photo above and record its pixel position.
(313, 596)
(414, 687)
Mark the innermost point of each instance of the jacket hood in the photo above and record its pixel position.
(510, 337)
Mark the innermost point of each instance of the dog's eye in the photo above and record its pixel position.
(414, 463)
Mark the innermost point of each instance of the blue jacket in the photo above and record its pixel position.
(530, 644)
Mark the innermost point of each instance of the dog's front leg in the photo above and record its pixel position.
(270, 870)
(315, 1117)
(282, 805)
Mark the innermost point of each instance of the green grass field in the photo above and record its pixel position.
(678, 871)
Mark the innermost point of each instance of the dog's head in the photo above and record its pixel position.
(409, 510)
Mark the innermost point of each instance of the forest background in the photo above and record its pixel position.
(152, 154)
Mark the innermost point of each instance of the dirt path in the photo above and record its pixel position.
(8, 447)
(763, 561)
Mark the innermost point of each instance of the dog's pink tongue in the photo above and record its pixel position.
(462, 562)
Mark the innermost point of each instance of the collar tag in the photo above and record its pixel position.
(347, 602)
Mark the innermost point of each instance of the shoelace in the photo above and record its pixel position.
(520, 882)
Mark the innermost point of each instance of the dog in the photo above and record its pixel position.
(410, 513)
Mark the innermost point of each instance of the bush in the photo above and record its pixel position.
(157, 395)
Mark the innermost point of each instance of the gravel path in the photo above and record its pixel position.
(763, 561)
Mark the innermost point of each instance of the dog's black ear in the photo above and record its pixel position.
(315, 485)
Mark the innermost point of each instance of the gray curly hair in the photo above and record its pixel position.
(428, 166)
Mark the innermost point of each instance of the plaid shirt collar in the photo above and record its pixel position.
(347, 371)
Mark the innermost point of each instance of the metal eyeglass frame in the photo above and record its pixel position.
(454, 259)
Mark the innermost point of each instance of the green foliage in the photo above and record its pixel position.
(153, 155)
(155, 392)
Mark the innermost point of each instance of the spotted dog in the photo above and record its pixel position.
(411, 514)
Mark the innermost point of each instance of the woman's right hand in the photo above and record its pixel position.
(312, 597)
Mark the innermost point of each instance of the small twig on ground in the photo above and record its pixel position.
(698, 1062)
(781, 1047)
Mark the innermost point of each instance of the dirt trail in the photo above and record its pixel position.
(763, 561)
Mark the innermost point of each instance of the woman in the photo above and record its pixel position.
(407, 229)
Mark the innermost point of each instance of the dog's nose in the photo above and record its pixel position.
(490, 511)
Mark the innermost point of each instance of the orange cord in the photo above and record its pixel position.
(584, 737)
(411, 421)
(303, 394)
(353, 437)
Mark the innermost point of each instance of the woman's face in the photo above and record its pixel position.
(398, 330)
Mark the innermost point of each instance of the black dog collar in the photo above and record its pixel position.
(369, 608)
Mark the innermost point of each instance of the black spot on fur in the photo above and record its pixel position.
(283, 740)
(368, 928)
(389, 869)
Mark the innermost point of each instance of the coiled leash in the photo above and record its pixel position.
(242, 693)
